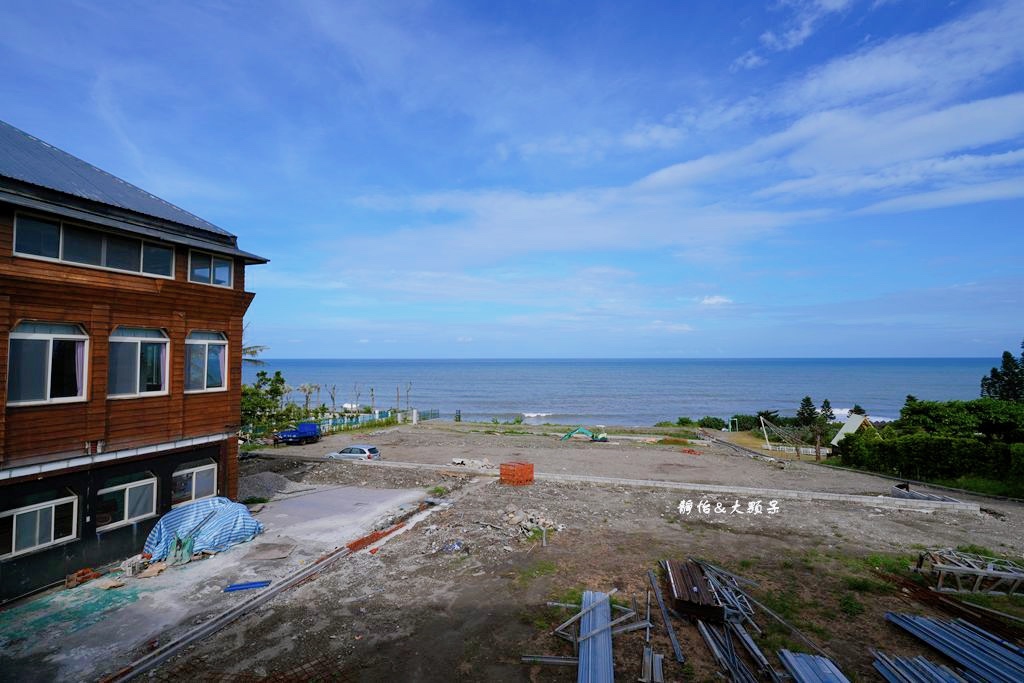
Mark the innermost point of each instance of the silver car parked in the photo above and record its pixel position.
(358, 451)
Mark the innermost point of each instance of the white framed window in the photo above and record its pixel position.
(210, 269)
(206, 361)
(125, 500)
(48, 363)
(33, 527)
(138, 362)
(193, 481)
(53, 240)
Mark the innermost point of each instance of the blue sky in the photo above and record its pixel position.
(560, 179)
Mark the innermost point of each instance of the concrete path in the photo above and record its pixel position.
(87, 632)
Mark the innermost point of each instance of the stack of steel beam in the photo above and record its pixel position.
(811, 668)
(725, 654)
(726, 587)
(916, 670)
(691, 594)
(595, 655)
(984, 656)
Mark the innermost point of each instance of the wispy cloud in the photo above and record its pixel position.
(715, 300)
(807, 15)
(930, 66)
(747, 60)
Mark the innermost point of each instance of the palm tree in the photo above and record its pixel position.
(251, 352)
(309, 390)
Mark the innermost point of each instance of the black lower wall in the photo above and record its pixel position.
(31, 572)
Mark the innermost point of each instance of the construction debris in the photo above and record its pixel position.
(152, 570)
(811, 668)
(722, 649)
(691, 593)
(80, 577)
(590, 631)
(903, 491)
(958, 572)
(916, 670)
(664, 616)
(1002, 624)
(652, 669)
(484, 464)
(246, 586)
(525, 522)
(984, 656)
(595, 648)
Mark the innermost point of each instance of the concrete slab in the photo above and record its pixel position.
(87, 632)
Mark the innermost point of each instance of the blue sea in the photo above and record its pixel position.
(634, 392)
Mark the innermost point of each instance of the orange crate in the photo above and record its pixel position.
(517, 473)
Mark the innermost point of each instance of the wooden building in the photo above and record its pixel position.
(120, 363)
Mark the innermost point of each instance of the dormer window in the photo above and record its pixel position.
(56, 241)
(209, 269)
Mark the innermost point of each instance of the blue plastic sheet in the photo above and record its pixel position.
(229, 524)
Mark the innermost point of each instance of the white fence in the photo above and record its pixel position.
(804, 450)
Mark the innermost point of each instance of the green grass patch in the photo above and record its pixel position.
(863, 584)
(255, 500)
(976, 550)
(674, 441)
(984, 485)
(893, 564)
(850, 605)
(438, 491)
(785, 603)
(536, 570)
(775, 637)
(1011, 604)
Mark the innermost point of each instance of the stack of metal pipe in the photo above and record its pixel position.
(983, 656)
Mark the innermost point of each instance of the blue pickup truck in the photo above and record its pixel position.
(306, 432)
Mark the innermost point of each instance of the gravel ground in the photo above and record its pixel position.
(460, 596)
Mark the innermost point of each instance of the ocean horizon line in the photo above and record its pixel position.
(637, 358)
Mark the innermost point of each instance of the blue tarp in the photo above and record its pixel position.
(231, 523)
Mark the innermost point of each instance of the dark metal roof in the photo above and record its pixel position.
(30, 160)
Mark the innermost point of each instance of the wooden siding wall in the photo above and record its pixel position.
(99, 301)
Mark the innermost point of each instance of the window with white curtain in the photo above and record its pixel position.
(47, 363)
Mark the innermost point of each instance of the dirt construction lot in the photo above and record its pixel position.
(461, 595)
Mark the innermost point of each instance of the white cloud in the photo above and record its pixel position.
(663, 326)
(955, 168)
(715, 300)
(1012, 188)
(747, 60)
(463, 340)
(807, 17)
(932, 65)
